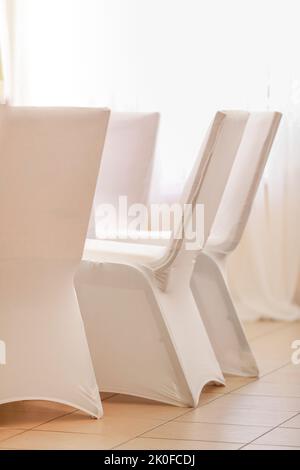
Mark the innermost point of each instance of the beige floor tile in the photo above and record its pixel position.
(266, 366)
(139, 408)
(207, 397)
(27, 414)
(224, 415)
(6, 433)
(214, 388)
(252, 402)
(223, 420)
(289, 375)
(274, 350)
(262, 447)
(282, 389)
(106, 395)
(124, 427)
(134, 407)
(261, 328)
(232, 383)
(42, 440)
(169, 444)
(207, 432)
(281, 437)
(292, 423)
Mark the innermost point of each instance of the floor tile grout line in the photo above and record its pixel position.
(178, 440)
(64, 432)
(184, 414)
(217, 398)
(269, 445)
(275, 370)
(266, 396)
(34, 427)
(231, 392)
(61, 416)
(191, 410)
(52, 419)
(141, 436)
(261, 335)
(256, 379)
(193, 440)
(67, 432)
(283, 327)
(111, 396)
(272, 429)
(40, 424)
(165, 422)
(288, 427)
(226, 393)
(11, 437)
(204, 404)
(228, 424)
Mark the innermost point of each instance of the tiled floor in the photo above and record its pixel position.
(246, 414)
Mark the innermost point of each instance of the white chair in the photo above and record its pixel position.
(126, 166)
(143, 326)
(49, 164)
(209, 280)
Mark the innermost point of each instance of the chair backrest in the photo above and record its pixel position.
(209, 176)
(127, 161)
(49, 160)
(243, 181)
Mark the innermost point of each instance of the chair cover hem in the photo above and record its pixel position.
(96, 415)
(117, 391)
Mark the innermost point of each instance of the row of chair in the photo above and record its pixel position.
(158, 319)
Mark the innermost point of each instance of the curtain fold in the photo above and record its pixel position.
(264, 269)
(185, 60)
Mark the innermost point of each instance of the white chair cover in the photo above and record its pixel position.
(49, 163)
(243, 181)
(209, 280)
(144, 328)
(126, 165)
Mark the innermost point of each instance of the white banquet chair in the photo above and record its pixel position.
(126, 166)
(49, 164)
(143, 326)
(209, 281)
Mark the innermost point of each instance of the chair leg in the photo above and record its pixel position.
(47, 356)
(220, 318)
(144, 342)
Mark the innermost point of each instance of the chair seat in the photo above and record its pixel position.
(121, 252)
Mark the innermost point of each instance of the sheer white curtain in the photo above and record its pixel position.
(265, 268)
(5, 49)
(184, 58)
(1, 79)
